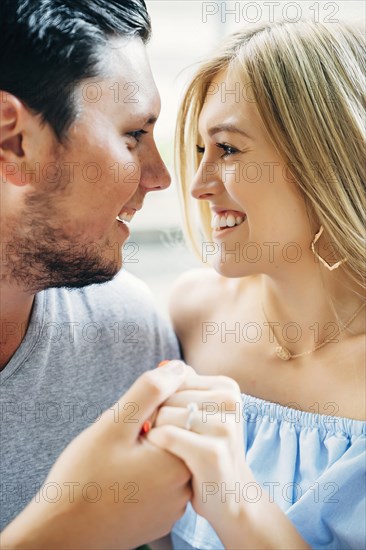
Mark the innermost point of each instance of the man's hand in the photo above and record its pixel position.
(117, 489)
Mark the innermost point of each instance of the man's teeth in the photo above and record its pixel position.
(124, 217)
(220, 222)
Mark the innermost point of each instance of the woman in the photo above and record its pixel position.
(273, 127)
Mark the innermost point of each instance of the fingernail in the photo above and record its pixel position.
(175, 367)
(146, 427)
(162, 363)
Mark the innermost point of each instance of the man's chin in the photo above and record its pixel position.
(87, 278)
(70, 277)
(98, 280)
(38, 264)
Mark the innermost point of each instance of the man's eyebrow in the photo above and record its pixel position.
(227, 128)
(151, 119)
(144, 120)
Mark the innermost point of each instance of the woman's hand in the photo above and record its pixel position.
(210, 442)
(212, 447)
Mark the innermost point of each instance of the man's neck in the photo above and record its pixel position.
(15, 312)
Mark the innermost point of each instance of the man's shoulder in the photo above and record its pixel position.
(125, 293)
(124, 284)
(118, 318)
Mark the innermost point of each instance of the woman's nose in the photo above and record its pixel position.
(206, 181)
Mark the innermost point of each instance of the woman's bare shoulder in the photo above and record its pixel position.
(198, 293)
(194, 294)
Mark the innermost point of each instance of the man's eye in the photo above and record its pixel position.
(200, 150)
(228, 149)
(137, 134)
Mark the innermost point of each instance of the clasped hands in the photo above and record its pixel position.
(144, 481)
(201, 423)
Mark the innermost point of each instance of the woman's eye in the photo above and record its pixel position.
(228, 149)
(137, 134)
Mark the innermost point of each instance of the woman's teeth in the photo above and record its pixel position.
(223, 221)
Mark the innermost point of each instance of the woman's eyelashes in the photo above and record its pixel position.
(229, 150)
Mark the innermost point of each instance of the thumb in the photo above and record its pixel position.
(149, 392)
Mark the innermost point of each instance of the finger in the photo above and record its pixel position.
(186, 445)
(215, 426)
(211, 401)
(190, 370)
(198, 382)
(205, 382)
(148, 392)
(147, 425)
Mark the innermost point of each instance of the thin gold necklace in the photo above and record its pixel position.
(283, 353)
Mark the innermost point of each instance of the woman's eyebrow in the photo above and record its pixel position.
(227, 128)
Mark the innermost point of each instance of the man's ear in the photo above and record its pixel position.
(13, 117)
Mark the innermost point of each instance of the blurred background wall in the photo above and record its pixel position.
(184, 32)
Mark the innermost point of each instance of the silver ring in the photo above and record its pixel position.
(192, 408)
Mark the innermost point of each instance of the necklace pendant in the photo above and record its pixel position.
(283, 353)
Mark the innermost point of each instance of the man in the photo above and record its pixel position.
(77, 112)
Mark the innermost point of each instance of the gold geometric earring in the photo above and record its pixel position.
(324, 262)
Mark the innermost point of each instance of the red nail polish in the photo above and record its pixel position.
(162, 363)
(146, 427)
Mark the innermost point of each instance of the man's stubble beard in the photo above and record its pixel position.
(39, 254)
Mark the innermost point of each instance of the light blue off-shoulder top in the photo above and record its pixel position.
(312, 465)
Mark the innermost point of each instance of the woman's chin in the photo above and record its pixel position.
(231, 269)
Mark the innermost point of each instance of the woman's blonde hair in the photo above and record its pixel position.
(308, 82)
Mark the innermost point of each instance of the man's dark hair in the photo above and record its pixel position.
(47, 47)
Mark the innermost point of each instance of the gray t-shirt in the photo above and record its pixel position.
(83, 349)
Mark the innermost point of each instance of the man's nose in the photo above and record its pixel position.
(154, 174)
(206, 181)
